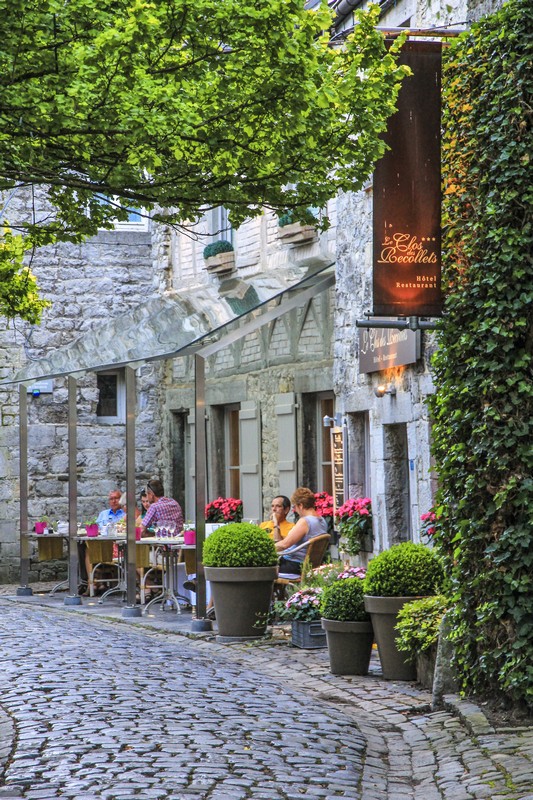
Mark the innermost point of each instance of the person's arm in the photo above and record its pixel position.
(294, 536)
(146, 521)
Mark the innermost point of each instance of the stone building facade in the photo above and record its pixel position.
(266, 394)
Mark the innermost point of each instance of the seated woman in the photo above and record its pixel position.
(309, 525)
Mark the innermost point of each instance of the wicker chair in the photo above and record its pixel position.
(316, 550)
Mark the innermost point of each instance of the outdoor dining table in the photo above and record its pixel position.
(104, 555)
(50, 548)
(171, 547)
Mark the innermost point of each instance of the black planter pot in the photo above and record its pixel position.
(349, 646)
(242, 597)
(383, 611)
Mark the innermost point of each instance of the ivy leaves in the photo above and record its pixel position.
(483, 407)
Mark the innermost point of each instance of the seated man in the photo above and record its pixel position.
(278, 526)
(162, 509)
(114, 512)
(92, 552)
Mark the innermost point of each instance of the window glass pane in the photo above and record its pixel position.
(134, 215)
(233, 457)
(108, 399)
(233, 436)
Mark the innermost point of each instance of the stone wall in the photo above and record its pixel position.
(87, 285)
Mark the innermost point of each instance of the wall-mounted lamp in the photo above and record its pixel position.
(329, 422)
(381, 390)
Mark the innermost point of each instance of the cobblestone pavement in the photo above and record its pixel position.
(95, 707)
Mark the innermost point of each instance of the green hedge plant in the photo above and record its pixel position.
(418, 624)
(344, 601)
(239, 544)
(406, 570)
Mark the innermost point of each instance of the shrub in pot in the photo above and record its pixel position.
(240, 562)
(348, 628)
(418, 626)
(394, 577)
(219, 256)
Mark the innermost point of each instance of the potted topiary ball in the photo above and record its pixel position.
(240, 562)
(292, 231)
(219, 256)
(395, 577)
(348, 628)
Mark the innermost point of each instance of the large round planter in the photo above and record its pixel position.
(396, 666)
(242, 597)
(349, 646)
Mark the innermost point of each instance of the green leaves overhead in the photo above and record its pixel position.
(483, 407)
(184, 104)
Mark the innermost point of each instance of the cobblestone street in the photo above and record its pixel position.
(92, 707)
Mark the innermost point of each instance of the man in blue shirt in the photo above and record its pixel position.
(114, 512)
(105, 517)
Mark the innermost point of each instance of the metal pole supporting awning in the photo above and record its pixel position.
(198, 323)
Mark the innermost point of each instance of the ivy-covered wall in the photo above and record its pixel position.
(483, 406)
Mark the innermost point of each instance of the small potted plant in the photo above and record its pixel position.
(220, 511)
(240, 561)
(394, 577)
(41, 525)
(302, 609)
(418, 628)
(91, 527)
(219, 256)
(292, 231)
(348, 628)
(354, 520)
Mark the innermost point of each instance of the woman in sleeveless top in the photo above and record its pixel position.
(309, 525)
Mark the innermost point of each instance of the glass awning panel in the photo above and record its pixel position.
(176, 323)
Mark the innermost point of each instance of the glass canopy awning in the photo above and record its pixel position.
(201, 319)
(197, 322)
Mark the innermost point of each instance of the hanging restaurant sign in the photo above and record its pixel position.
(407, 194)
(382, 348)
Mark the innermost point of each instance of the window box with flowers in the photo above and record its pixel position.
(354, 520)
(324, 507)
(219, 257)
(221, 511)
(302, 609)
